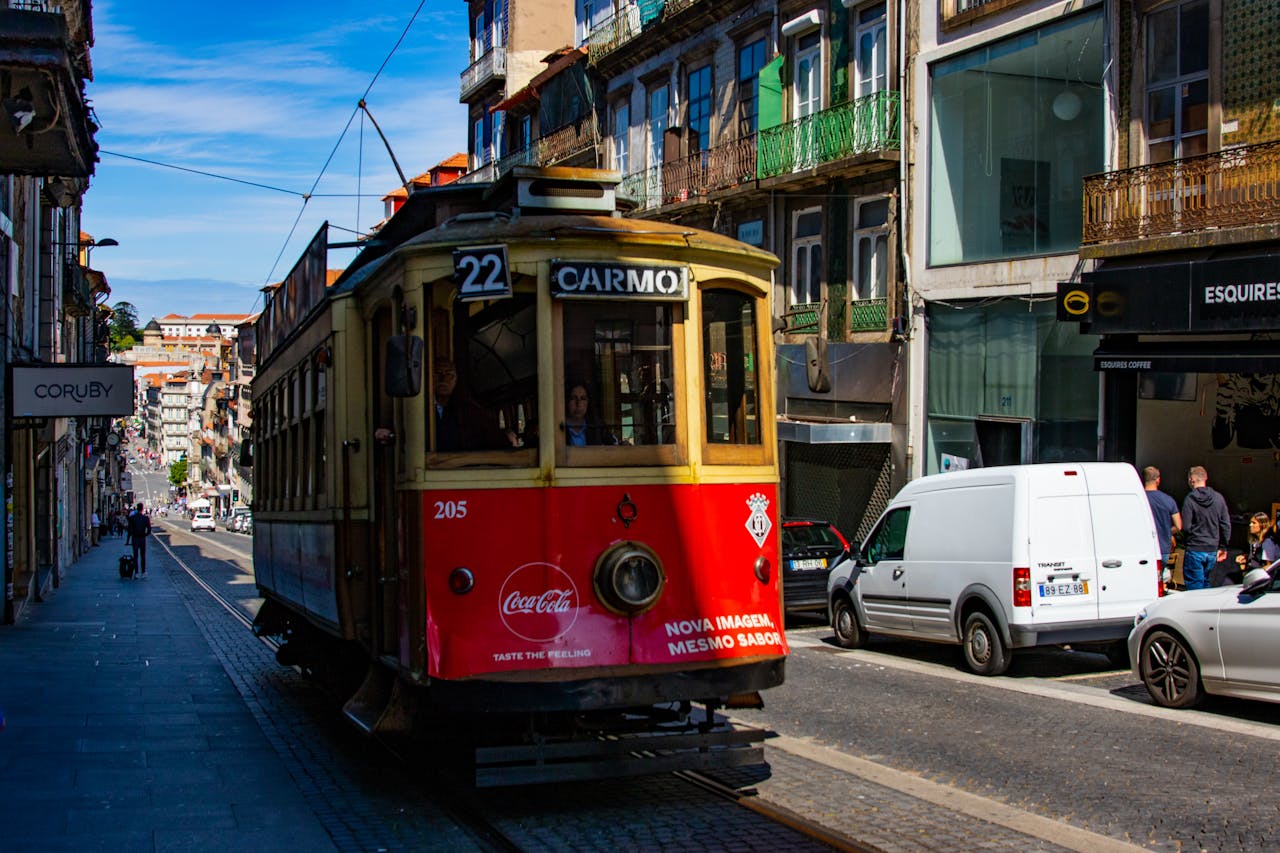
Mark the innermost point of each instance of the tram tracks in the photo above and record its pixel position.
(471, 809)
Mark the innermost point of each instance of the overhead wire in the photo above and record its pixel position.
(403, 34)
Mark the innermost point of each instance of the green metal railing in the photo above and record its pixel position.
(868, 315)
(868, 124)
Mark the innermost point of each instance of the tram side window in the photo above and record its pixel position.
(730, 367)
(621, 354)
(484, 379)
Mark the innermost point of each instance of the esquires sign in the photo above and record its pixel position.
(70, 390)
(1233, 295)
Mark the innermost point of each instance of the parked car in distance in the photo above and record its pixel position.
(235, 520)
(203, 520)
(1004, 558)
(811, 548)
(1219, 641)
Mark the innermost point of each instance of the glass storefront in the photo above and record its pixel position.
(1008, 384)
(1015, 127)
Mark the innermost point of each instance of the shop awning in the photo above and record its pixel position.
(1190, 357)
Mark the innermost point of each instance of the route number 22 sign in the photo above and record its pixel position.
(481, 272)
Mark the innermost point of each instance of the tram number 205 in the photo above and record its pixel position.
(481, 272)
(451, 509)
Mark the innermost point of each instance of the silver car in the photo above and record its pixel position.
(1219, 641)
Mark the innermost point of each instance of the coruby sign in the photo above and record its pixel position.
(70, 390)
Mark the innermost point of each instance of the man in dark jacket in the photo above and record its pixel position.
(139, 530)
(1208, 526)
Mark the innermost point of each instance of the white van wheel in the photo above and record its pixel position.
(984, 651)
(849, 634)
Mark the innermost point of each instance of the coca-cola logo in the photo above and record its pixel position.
(538, 602)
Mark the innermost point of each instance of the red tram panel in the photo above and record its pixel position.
(533, 606)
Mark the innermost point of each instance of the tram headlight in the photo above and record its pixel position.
(628, 578)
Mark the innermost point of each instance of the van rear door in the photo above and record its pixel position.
(1064, 584)
(1124, 537)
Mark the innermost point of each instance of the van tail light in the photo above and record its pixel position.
(1022, 587)
(1159, 579)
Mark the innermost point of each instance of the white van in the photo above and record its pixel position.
(997, 559)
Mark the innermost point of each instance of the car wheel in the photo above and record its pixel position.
(1170, 671)
(984, 650)
(849, 634)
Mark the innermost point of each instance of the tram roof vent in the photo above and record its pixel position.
(566, 190)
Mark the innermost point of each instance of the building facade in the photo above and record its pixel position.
(1181, 239)
(54, 469)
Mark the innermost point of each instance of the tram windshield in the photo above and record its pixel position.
(618, 359)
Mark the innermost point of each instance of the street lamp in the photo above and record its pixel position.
(89, 247)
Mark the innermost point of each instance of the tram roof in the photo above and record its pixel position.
(501, 227)
(479, 213)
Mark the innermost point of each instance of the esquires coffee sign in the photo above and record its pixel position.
(1232, 295)
(71, 391)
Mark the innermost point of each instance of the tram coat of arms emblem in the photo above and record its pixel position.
(758, 523)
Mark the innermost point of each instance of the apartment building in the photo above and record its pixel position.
(1181, 239)
(509, 39)
(1010, 116)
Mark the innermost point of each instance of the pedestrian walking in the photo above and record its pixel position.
(1208, 526)
(95, 524)
(1164, 511)
(139, 530)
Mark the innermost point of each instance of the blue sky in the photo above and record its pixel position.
(259, 92)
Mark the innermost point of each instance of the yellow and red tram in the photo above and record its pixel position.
(519, 463)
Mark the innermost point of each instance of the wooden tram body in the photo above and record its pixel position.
(521, 576)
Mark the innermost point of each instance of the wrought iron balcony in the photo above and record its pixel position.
(568, 141)
(1236, 188)
(49, 128)
(615, 31)
(871, 123)
(720, 168)
(490, 67)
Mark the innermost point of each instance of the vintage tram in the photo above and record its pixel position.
(517, 467)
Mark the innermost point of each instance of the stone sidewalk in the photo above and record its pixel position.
(123, 731)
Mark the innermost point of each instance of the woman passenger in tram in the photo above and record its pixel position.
(579, 431)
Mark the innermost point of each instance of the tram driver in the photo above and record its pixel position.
(461, 423)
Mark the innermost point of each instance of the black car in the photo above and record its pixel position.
(810, 549)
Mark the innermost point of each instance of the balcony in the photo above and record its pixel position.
(491, 67)
(868, 315)
(958, 12)
(553, 148)
(1238, 188)
(721, 168)
(638, 16)
(47, 129)
(864, 126)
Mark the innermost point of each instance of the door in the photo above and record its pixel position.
(1249, 634)
(384, 576)
(806, 92)
(882, 583)
(1127, 554)
(1064, 581)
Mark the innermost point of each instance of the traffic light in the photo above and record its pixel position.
(235, 496)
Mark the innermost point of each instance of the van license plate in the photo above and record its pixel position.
(1053, 590)
(818, 563)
